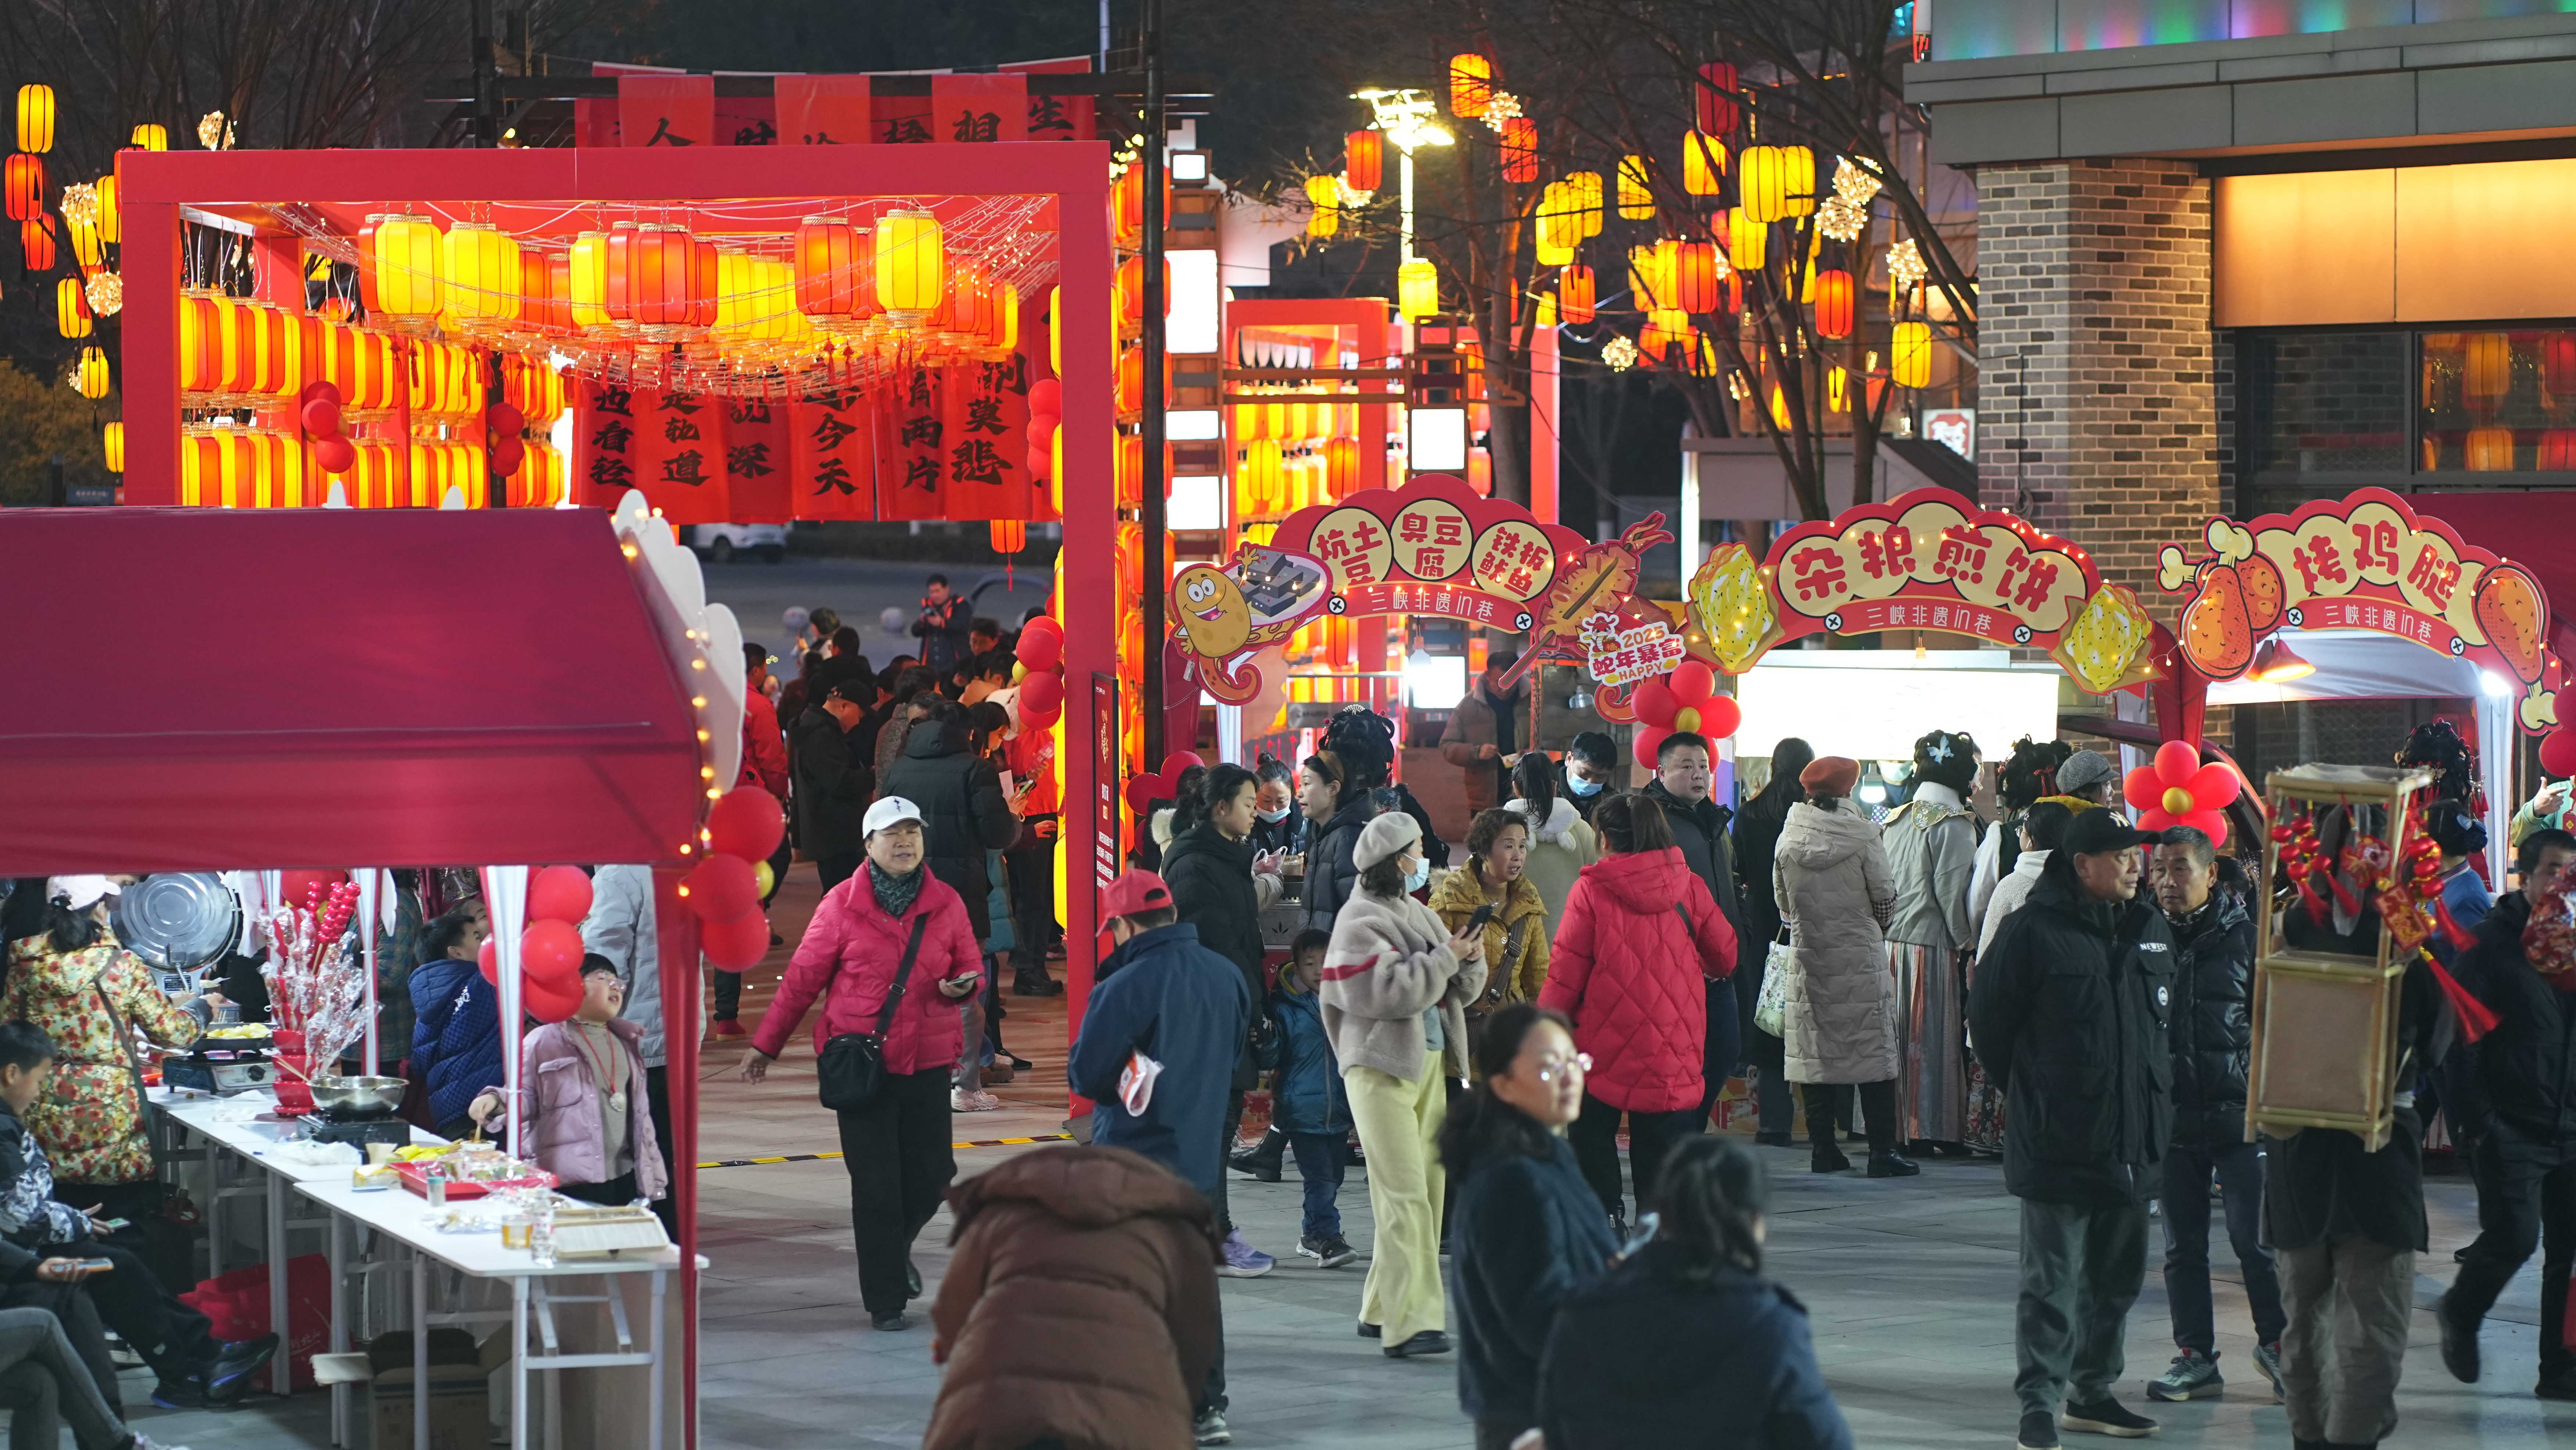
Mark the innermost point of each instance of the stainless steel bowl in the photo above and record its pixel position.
(382, 1095)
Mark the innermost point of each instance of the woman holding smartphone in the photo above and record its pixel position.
(895, 1145)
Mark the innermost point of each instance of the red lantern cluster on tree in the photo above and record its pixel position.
(2177, 790)
(743, 827)
(320, 414)
(1685, 702)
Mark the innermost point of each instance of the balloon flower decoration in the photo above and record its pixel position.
(2558, 752)
(2180, 791)
(1685, 702)
(549, 946)
(743, 827)
(1162, 785)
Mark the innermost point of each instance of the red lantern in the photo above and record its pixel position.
(1520, 149)
(1364, 160)
(1836, 303)
(2557, 450)
(1696, 280)
(1574, 294)
(2558, 364)
(1008, 536)
(1716, 96)
(25, 186)
(36, 242)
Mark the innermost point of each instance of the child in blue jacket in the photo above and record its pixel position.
(1306, 1099)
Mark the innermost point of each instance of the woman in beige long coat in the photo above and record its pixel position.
(1838, 1021)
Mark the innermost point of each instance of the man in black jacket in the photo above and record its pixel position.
(1217, 888)
(1682, 777)
(2213, 1034)
(2526, 1160)
(963, 810)
(1590, 772)
(2069, 1012)
(832, 783)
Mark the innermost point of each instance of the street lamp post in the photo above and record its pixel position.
(1405, 116)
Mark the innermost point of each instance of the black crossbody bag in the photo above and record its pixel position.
(852, 1070)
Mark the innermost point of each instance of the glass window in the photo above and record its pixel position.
(2497, 402)
(2324, 403)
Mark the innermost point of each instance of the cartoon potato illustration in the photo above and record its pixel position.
(1209, 607)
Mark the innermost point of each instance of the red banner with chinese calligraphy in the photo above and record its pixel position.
(603, 443)
(988, 107)
(823, 110)
(2365, 561)
(679, 456)
(984, 441)
(1058, 118)
(912, 446)
(758, 482)
(832, 454)
(666, 110)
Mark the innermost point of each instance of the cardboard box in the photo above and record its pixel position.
(460, 1400)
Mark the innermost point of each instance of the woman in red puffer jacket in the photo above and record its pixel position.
(1641, 939)
(896, 1145)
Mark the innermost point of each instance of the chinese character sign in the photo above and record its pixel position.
(757, 462)
(984, 440)
(603, 443)
(680, 456)
(2366, 561)
(1620, 656)
(1494, 558)
(823, 110)
(979, 107)
(1930, 552)
(832, 451)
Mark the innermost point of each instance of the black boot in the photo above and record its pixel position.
(1034, 982)
(1261, 1161)
(1878, 1105)
(1821, 1102)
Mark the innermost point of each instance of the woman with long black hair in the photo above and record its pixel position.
(1684, 1345)
(1757, 837)
(1527, 1227)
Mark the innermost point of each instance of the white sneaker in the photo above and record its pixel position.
(973, 1100)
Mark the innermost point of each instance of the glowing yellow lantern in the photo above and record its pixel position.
(1649, 281)
(1055, 343)
(91, 378)
(1417, 289)
(1779, 182)
(111, 223)
(1471, 85)
(1636, 190)
(1909, 358)
(1006, 321)
(71, 308)
(1747, 240)
(481, 275)
(1324, 193)
(407, 271)
(1587, 200)
(588, 276)
(912, 268)
(1837, 390)
(152, 136)
(1703, 164)
(35, 117)
(1560, 224)
(2490, 450)
(2487, 371)
(111, 441)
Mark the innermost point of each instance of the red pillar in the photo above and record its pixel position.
(149, 348)
(1089, 563)
(675, 946)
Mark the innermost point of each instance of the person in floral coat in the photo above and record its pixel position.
(86, 992)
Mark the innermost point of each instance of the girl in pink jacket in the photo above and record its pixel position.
(583, 1109)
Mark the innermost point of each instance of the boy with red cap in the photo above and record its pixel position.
(1156, 1055)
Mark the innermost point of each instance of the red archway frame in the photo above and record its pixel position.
(156, 185)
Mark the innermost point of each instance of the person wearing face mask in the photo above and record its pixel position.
(1590, 772)
(1395, 988)
(1278, 825)
(1528, 1230)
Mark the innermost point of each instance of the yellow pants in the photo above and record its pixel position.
(1398, 1123)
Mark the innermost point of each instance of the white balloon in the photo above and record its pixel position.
(893, 621)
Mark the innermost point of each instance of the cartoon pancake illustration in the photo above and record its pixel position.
(1209, 607)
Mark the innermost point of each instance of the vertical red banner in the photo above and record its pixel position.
(756, 451)
(603, 443)
(913, 456)
(985, 438)
(680, 456)
(900, 120)
(666, 110)
(823, 110)
(832, 456)
(979, 108)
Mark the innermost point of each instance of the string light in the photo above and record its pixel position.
(1619, 354)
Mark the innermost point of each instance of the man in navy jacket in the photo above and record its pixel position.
(1163, 998)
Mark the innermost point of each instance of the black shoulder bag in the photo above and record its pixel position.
(852, 1070)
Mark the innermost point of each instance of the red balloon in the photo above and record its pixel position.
(559, 893)
(2176, 762)
(1041, 463)
(1719, 717)
(2214, 786)
(1144, 790)
(550, 1001)
(746, 822)
(320, 388)
(2212, 824)
(721, 888)
(2141, 789)
(1692, 682)
(549, 949)
(1039, 649)
(1175, 763)
(322, 418)
(490, 960)
(2558, 751)
(1046, 395)
(736, 944)
(1041, 430)
(502, 418)
(1045, 624)
(1042, 693)
(335, 454)
(507, 455)
(1654, 703)
(295, 888)
(1649, 740)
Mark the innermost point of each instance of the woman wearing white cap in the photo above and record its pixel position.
(1395, 989)
(875, 942)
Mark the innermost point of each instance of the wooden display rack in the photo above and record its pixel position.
(2325, 1022)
